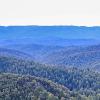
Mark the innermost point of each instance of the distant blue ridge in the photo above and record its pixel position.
(50, 35)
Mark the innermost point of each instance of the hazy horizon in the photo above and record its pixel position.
(77, 25)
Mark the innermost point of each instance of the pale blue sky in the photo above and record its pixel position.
(50, 12)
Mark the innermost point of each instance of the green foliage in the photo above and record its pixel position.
(17, 87)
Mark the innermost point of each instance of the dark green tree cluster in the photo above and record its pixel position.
(17, 87)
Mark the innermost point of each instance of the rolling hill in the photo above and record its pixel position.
(14, 53)
(84, 81)
(17, 87)
(70, 56)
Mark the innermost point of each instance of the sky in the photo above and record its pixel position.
(50, 12)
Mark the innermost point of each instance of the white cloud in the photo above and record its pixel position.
(50, 12)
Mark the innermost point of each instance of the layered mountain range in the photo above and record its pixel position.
(49, 63)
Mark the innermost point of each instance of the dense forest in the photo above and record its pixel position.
(20, 87)
(81, 57)
(83, 82)
(16, 87)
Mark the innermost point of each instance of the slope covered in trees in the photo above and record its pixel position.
(20, 87)
(85, 82)
(16, 87)
(70, 56)
(14, 53)
(81, 57)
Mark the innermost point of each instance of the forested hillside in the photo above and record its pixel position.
(84, 82)
(81, 57)
(20, 87)
(70, 56)
(17, 87)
